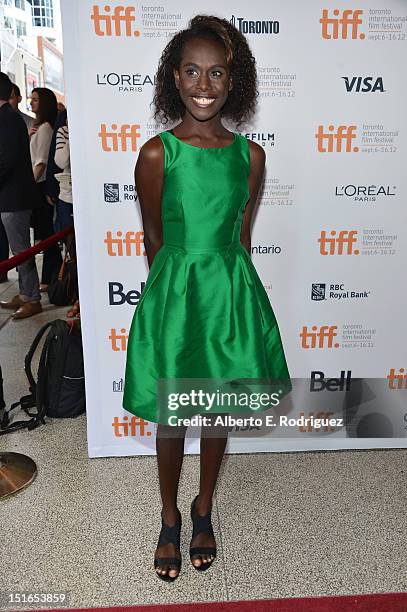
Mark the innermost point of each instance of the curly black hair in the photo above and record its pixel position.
(242, 99)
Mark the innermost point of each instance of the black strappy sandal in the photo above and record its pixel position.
(169, 535)
(201, 524)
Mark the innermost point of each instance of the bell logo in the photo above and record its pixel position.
(122, 16)
(123, 428)
(397, 381)
(319, 338)
(131, 242)
(331, 141)
(335, 244)
(119, 135)
(118, 341)
(338, 27)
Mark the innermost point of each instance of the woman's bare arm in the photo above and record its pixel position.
(257, 164)
(149, 179)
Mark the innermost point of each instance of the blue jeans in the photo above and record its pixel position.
(64, 217)
(17, 227)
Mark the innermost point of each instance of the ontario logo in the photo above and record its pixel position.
(114, 21)
(336, 140)
(265, 249)
(338, 243)
(342, 24)
(249, 26)
(363, 84)
(397, 380)
(119, 137)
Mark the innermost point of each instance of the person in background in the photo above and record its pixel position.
(44, 105)
(14, 101)
(18, 195)
(4, 250)
(51, 183)
(64, 217)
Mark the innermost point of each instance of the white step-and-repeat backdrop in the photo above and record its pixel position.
(329, 240)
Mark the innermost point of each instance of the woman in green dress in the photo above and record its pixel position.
(204, 313)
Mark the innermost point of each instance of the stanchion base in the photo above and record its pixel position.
(16, 472)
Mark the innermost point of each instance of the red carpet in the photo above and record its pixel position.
(380, 602)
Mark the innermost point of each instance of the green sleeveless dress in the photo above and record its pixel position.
(203, 313)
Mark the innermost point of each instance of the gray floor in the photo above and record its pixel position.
(287, 525)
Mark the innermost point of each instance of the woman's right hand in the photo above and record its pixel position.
(32, 131)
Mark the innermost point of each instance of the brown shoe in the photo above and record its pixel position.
(12, 304)
(28, 309)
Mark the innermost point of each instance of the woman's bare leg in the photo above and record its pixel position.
(213, 443)
(170, 455)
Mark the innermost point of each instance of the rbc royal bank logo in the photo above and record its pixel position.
(114, 193)
(342, 25)
(111, 192)
(336, 140)
(114, 21)
(341, 244)
(318, 291)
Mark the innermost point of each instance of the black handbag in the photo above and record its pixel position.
(63, 289)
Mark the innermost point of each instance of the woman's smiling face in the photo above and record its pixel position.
(203, 78)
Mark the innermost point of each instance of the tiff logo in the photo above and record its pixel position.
(131, 242)
(123, 16)
(350, 19)
(309, 428)
(331, 141)
(123, 135)
(397, 381)
(322, 338)
(118, 341)
(337, 243)
(122, 428)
